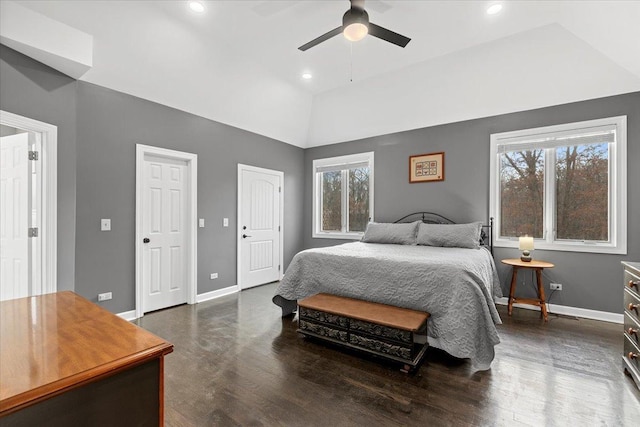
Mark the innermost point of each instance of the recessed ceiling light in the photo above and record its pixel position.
(306, 76)
(494, 8)
(196, 6)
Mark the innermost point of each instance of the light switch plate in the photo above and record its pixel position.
(201, 223)
(105, 224)
(225, 222)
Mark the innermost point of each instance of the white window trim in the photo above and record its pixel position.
(342, 161)
(618, 190)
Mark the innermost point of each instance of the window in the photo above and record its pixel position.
(564, 185)
(342, 196)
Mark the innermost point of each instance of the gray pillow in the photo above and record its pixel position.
(398, 234)
(450, 235)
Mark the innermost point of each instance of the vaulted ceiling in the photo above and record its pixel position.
(238, 62)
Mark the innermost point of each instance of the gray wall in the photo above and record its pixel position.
(107, 125)
(33, 90)
(110, 124)
(591, 281)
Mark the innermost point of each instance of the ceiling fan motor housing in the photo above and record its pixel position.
(355, 24)
(355, 16)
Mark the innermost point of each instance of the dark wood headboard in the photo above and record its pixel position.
(486, 237)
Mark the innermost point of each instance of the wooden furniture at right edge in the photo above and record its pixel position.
(631, 355)
(536, 265)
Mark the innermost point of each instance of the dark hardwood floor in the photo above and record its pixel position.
(237, 362)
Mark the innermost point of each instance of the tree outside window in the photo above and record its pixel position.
(358, 199)
(564, 185)
(343, 196)
(522, 193)
(581, 196)
(332, 201)
(582, 192)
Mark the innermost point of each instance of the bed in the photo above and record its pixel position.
(456, 285)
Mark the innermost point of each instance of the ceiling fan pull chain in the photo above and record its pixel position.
(351, 65)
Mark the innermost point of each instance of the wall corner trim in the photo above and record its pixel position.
(565, 310)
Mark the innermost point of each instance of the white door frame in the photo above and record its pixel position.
(191, 218)
(49, 197)
(241, 168)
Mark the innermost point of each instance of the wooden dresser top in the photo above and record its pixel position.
(51, 343)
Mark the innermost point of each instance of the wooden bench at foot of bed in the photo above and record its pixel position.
(394, 333)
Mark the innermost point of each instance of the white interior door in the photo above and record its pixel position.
(164, 219)
(260, 225)
(15, 212)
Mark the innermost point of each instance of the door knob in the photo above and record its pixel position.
(146, 240)
(244, 236)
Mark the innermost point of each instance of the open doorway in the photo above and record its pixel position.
(27, 207)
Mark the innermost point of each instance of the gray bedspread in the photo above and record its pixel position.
(455, 285)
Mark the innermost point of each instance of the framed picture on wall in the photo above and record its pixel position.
(426, 167)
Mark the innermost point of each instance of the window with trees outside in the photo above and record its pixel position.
(342, 196)
(563, 185)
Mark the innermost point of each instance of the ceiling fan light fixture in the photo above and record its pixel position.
(356, 32)
(355, 24)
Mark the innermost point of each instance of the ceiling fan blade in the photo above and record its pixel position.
(388, 35)
(320, 39)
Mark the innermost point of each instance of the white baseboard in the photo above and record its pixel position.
(217, 293)
(128, 315)
(604, 316)
(131, 315)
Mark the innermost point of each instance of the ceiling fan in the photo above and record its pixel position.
(355, 26)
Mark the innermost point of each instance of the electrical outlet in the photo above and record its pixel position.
(105, 296)
(555, 286)
(214, 276)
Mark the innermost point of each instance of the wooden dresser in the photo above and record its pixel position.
(631, 355)
(66, 361)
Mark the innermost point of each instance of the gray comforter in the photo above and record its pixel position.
(455, 285)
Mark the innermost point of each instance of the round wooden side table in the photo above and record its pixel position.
(536, 265)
